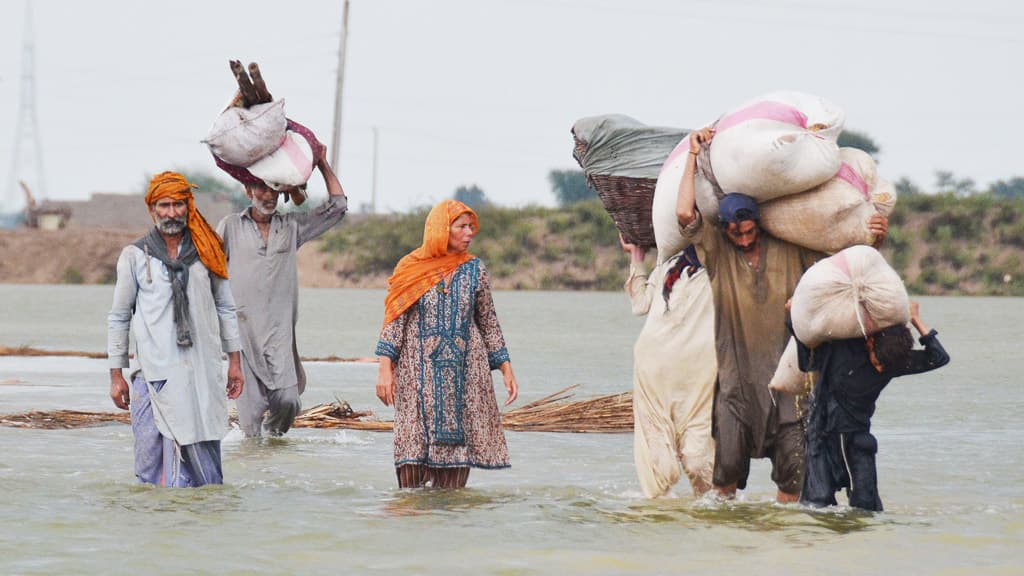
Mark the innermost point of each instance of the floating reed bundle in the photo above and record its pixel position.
(553, 413)
(556, 413)
(29, 351)
(62, 419)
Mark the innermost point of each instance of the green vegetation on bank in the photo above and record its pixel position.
(945, 244)
(940, 244)
(530, 248)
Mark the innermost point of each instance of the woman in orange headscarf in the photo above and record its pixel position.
(440, 341)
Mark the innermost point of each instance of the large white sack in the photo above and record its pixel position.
(788, 378)
(291, 164)
(241, 136)
(778, 144)
(667, 234)
(852, 293)
(835, 214)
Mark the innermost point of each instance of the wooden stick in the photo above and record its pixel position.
(245, 86)
(262, 94)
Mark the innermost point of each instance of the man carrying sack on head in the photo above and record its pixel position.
(262, 245)
(172, 288)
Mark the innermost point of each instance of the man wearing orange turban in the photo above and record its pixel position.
(172, 287)
(175, 187)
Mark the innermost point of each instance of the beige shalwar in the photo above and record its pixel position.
(673, 379)
(751, 421)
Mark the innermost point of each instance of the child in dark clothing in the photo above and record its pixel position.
(840, 450)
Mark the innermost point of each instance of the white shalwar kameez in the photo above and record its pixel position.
(673, 379)
(192, 406)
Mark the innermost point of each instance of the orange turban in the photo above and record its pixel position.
(420, 270)
(208, 244)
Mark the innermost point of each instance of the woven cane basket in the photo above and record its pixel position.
(627, 200)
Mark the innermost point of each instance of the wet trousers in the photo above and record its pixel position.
(281, 405)
(842, 460)
(158, 460)
(419, 475)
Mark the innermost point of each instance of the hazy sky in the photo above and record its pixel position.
(485, 91)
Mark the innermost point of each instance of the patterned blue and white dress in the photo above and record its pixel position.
(444, 349)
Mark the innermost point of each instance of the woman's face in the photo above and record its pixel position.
(460, 234)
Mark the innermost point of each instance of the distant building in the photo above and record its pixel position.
(48, 215)
(128, 211)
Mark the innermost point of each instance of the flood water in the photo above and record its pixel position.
(951, 466)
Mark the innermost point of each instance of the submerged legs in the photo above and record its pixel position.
(418, 475)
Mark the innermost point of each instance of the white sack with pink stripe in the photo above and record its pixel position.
(852, 293)
(833, 215)
(291, 164)
(777, 144)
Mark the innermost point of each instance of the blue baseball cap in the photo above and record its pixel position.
(732, 205)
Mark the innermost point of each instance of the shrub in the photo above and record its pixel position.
(1006, 213)
(583, 254)
(550, 252)
(948, 280)
(928, 276)
(956, 256)
(109, 275)
(610, 278)
(899, 248)
(73, 276)
(1012, 234)
(940, 233)
(963, 223)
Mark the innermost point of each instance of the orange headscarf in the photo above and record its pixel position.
(420, 270)
(208, 244)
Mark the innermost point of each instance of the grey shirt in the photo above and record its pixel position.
(264, 281)
(192, 406)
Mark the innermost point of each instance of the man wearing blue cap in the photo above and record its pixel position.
(752, 276)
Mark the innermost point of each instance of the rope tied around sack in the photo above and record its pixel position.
(704, 167)
(858, 289)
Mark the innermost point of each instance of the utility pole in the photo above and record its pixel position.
(26, 134)
(338, 91)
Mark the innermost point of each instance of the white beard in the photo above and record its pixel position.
(171, 225)
(262, 209)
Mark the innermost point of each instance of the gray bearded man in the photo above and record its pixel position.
(261, 247)
(172, 290)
